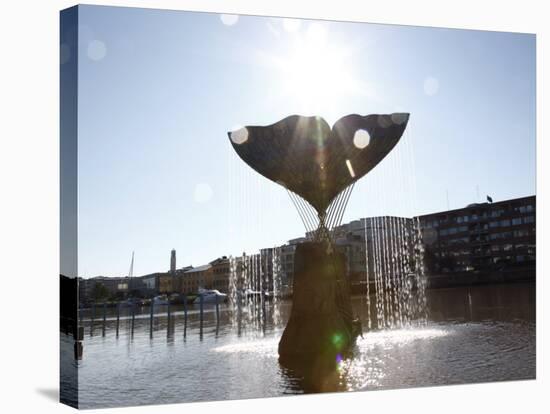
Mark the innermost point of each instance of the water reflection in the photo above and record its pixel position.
(263, 347)
(476, 334)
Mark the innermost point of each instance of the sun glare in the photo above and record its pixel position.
(317, 73)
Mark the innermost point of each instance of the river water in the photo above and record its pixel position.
(475, 334)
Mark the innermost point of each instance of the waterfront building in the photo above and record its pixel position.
(482, 237)
(221, 274)
(146, 286)
(482, 242)
(369, 241)
(166, 283)
(102, 288)
(198, 277)
(287, 262)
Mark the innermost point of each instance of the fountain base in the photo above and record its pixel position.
(321, 328)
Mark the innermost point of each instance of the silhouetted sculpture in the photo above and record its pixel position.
(319, 166)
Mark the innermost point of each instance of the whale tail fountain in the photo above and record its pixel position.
(319, 166)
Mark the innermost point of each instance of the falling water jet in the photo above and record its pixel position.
(395, 255)
(248, 288)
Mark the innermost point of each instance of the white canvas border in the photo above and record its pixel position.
(29, 207)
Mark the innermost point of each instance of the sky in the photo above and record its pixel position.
(159, 90)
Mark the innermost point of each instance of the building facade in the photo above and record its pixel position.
(376, 244)
(286, 264)
(221, 274)
(167, 283)
(197, 277)
(485, 237)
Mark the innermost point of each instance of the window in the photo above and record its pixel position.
(529, 219)
(505, 223)
(503, 235)
(516, 221)
(526, 209)
(521, 233)
(493, 224)
(507, 247)
(459, 240)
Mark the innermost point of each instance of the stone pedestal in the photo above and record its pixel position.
(321, 329)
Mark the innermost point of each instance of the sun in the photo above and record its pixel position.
(316, 73)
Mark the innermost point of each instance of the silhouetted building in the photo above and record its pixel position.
(487, 237)
(146, 286)
(101, 288)
(287, 263)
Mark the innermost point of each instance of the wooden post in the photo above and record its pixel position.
(201, 314)
(78, 333)
(117, 317)
(168, 317)
(184, 316)
(152, 313)
(104, 318)
(78, 350)
(217, 309)
(92, 316)
(217, 315)
(133, 318)
(78, 336)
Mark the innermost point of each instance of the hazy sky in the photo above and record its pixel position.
(158, 91)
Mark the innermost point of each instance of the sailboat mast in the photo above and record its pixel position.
(131, 272)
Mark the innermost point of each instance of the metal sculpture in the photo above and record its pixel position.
(319, 165)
